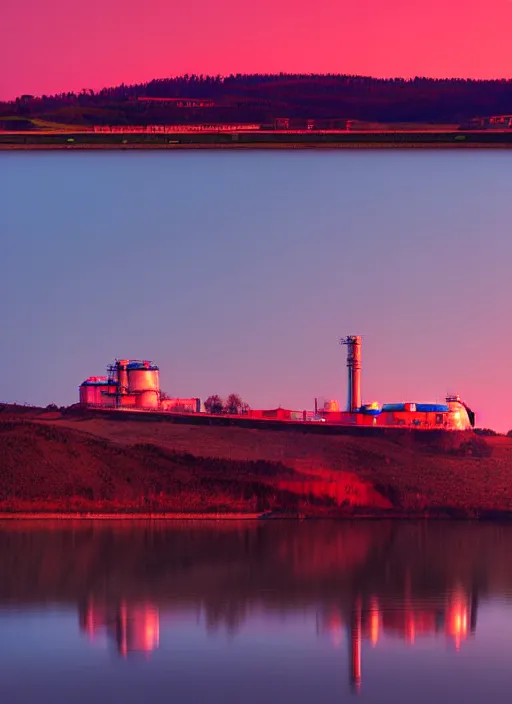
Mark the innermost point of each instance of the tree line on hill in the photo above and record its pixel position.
(263, 98)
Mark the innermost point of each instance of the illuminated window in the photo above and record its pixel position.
(439, 418)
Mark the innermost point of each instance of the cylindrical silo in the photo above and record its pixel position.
(84, 394)
(148, 399)
(96, 391)
(142, 377)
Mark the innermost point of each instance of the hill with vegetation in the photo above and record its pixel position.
(263, 99)
(75, 462)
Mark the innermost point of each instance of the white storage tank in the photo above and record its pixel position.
(148, 399)
(457, 417)
(96, 391)
(143, 376)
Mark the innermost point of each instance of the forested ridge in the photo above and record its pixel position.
(264, 98)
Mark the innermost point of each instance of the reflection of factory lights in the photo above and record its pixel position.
(457, 619)
(135, 627)
(335, 628)
(414, 619)
(93, 619)
(88, 623)
(152, 633)
(374, 622)
(410, 629)
(138, 629)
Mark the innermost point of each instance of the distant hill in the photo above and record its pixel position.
(263, 99)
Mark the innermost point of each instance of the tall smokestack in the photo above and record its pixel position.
(353, 343)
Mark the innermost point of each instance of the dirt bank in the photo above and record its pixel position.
(71, 462)
(452, 138)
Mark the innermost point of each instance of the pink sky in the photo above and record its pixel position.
(48, 46)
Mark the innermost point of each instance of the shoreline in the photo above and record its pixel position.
(259, 140)
(363, 515)
(255, 146)
(101, 516)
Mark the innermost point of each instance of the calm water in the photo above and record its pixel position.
(252, 612)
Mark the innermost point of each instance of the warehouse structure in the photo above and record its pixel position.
(132, 384)
(135, 385)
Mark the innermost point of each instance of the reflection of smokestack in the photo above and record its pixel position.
(355, 647)
(353, 343)
(92, 618)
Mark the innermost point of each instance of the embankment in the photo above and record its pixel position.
(70, 462)
(262, 139)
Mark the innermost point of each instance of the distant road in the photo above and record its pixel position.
(90, 131)
(51, 139)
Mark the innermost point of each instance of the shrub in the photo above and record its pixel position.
(473, 446)
(214, 404)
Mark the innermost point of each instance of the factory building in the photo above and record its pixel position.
(135, 385)
(454, 414)
(132, 384)
(280, 414)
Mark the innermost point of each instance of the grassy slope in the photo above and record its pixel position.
(71, 462)
(412, 476)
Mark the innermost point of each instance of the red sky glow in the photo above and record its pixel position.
(48, 46)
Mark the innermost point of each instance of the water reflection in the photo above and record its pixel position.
(404, 617)
(313, 594)
(134, 627)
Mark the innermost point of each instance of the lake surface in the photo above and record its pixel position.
(253, 611)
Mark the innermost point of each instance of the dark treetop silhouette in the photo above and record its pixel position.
(265, 98)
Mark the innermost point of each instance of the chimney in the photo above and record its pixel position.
(353, 343)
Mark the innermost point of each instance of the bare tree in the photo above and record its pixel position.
(214, 404)
(233, 404)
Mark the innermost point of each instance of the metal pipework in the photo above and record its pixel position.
(353, 343)
(121, 367)
(122, 376)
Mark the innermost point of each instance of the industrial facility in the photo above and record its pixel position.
(132, 384)
(135, 385)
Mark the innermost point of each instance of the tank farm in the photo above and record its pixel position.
(134, 385)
